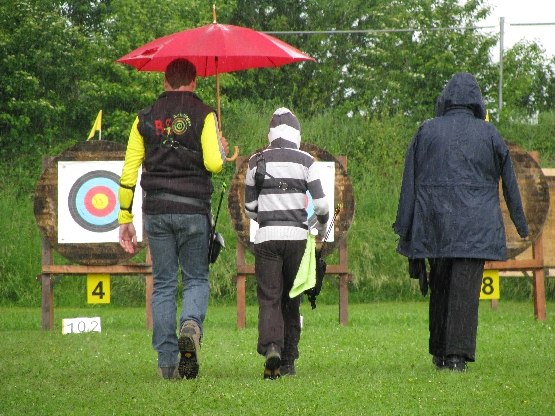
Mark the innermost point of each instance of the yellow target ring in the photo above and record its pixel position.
(100, 201)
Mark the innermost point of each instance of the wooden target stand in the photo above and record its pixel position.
(92, 258)
(525, 256)
(343, 195)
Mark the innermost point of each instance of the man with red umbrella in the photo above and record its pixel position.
(178, 142)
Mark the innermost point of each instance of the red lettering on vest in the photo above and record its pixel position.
(159, 127)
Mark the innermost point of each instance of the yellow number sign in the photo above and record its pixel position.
(490, 285)
(98, 288)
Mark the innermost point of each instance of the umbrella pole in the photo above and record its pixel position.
(236, 151)
(218, 97)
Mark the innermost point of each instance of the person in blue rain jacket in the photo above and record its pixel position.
(449, 213)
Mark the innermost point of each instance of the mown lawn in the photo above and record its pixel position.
(378, 365)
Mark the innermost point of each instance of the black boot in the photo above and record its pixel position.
(439, 362)
(273, 361)
(456, 363)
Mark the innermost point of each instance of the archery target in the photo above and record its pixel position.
(327, 178)
(88, 202)
(93, 202)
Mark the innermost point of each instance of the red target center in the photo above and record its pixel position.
(100, 201)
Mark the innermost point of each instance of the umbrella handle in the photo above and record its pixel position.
(235, 154)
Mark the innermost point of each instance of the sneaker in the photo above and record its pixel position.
(169, 373)
(456, 363)
(287, 370)
(273, 360)
(439, 362)
(189, 345)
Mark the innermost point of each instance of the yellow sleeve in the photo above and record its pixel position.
(212, 149)
(134, 157)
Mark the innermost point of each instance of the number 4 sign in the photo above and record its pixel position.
(490, 285)
(98, 288)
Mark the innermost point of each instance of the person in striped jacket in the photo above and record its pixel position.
(277, 201)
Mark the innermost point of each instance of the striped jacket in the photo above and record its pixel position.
(290, 173)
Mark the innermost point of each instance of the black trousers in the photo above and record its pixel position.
(454, 299)
(276, 266)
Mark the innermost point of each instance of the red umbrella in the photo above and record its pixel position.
(213, 49)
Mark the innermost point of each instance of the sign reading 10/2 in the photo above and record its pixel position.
(98, 288)
(81, 325)
(490, 285)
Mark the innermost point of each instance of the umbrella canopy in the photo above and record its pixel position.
(213, 49)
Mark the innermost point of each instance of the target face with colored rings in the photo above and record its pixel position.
(93, 201)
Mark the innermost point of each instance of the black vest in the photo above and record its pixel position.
(171, 129)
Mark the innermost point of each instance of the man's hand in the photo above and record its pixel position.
(223, 141)
(128, 237)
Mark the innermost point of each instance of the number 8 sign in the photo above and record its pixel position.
(490, 285)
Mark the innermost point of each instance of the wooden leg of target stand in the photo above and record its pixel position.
(149, 288)
(47, 303)
(539, 287)
(47, 287)
(47, 279)
(539, 296)
(344, 279)
(240, 280)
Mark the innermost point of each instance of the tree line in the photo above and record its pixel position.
(57, 64)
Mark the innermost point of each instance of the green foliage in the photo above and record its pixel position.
(532, 135)
(38, 78)
(528, 78)
(375, 73)
(89, 17)
(57, 70)
(57, 65)
(375, 149)
(377, 365)
(20, 255)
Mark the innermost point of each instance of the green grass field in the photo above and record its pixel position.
(377, 365)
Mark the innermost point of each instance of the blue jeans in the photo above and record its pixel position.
(177, 239)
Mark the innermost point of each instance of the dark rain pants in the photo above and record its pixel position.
(276, 266)
(455, 290)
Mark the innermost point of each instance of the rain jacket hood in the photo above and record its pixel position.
(462, 91)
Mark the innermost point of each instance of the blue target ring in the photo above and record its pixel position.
(93, 202)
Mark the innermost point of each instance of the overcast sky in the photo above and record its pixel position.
(523, 11)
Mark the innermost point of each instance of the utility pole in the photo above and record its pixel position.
(501, 35)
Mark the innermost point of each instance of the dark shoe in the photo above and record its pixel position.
(287, 370)
(439, 362)
(169, 373)
(189, 345)
(456, 363)
(273, 360)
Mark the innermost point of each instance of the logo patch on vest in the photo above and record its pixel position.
(180, 123)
